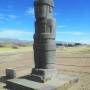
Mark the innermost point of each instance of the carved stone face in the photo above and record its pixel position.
(43, 27)
(49, 22)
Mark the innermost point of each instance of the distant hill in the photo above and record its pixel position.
(5, 41)
(14, 41)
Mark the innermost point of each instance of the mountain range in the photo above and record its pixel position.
(13, 41)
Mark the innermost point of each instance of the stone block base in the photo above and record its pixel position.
(43, 75)
(10, 73)
(61, 82)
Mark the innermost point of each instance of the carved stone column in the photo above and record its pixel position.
(44, 41)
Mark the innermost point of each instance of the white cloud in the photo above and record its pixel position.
(12, 16)
(72, 33)
(2, 18)
(29, 11)
(18, 34)
(56, 14)
(61, 26)
(6, 17)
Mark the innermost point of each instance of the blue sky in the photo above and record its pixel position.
(72, 16)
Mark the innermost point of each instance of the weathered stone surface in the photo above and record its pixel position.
(44, 41)
(46, 73)
(10, 73)
(62, 82)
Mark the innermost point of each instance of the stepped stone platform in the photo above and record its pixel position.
(61, 82)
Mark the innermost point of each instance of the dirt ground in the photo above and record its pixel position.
(67, 63)
(84, 80)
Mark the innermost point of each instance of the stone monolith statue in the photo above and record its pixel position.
(44, 41)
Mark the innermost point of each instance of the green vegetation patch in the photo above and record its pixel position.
(19, 49)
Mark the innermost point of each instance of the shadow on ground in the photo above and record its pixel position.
(3, 80)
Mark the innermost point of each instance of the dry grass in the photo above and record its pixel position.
(69, 61)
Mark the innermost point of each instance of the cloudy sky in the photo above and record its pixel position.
(72, 16)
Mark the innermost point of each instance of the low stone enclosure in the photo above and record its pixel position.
(44, 75)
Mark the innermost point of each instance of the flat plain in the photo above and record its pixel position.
(72, 61)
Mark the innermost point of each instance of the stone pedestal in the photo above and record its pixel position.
(43, 75)
(61, 82)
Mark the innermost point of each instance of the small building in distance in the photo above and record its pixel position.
(67, 44)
